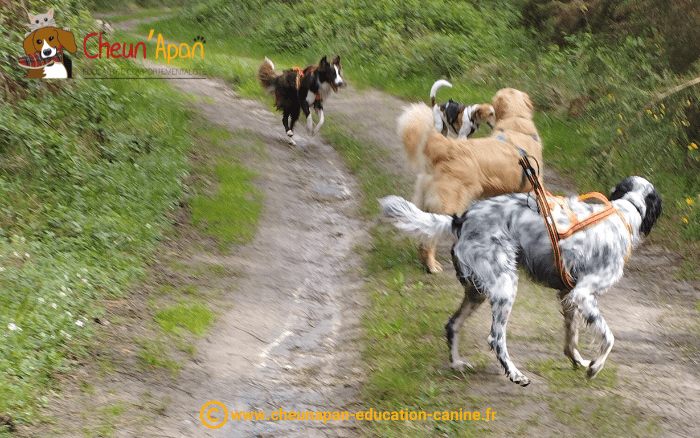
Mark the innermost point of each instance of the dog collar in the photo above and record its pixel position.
(35, 60)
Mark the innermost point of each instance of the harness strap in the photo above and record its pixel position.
(546, 202)
(540, 197)
(300, 75)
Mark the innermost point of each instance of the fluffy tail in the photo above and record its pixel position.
(417, 223)
(267, 75)
(433, 91)
(414, 128)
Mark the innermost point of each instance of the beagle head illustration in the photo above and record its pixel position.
(47, 41)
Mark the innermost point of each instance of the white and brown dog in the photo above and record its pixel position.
(44, 49)
(456, 119)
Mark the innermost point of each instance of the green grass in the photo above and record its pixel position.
(194, 317)
(231, 214)
(155, 353)
(102, 183)
(140, 14)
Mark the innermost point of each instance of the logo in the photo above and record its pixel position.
(44, 46)
(207, 420)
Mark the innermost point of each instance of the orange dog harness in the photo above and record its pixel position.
(546, 202)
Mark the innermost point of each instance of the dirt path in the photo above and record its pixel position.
(289, 340)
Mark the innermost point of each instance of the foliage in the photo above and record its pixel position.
(88, 172)
(599, 83)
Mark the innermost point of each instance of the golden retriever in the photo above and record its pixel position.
(454, 172)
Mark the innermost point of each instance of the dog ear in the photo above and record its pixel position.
(29, 44)
(323, 61)
(67, 40)
(336, 60)
(653, 211)
(621, 189)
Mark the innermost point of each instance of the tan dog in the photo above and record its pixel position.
(48, 42)
(454, 172)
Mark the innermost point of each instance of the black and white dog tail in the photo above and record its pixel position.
(415, 222)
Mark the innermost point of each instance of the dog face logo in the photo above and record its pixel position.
(44, 48)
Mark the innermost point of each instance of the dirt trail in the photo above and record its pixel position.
(289, 340)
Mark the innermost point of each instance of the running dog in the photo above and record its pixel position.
(497, 235)
(298, 89)
(456, 119)
(454, 172)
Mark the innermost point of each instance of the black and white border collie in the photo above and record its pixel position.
(298, 89)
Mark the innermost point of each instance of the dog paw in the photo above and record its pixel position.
(519, 379)
(290, 133)
(461, 365)
(593, 369)
(433, 266)
(582, 363)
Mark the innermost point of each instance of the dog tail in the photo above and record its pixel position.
(414, 128)
(267, 75)
(433, 91)
(417, 223)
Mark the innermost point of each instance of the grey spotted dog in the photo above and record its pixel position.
(497, 235)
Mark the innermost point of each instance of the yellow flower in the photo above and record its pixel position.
(609, 96)
(662, 106)
(692, 146)
(688, 101)
(656, 117)
(685, 220)
(619, 131)
(689, 201)
(648, 111)
(620, 116)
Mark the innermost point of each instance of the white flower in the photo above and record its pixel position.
(148, 226)
(13, 327)
(54, 305)
(79, 323)
(41, 300)
(62, 294)
(85, 280)
(63, 288)
(1, 269)
(26, 254)
(15, 254)
(68, 313)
